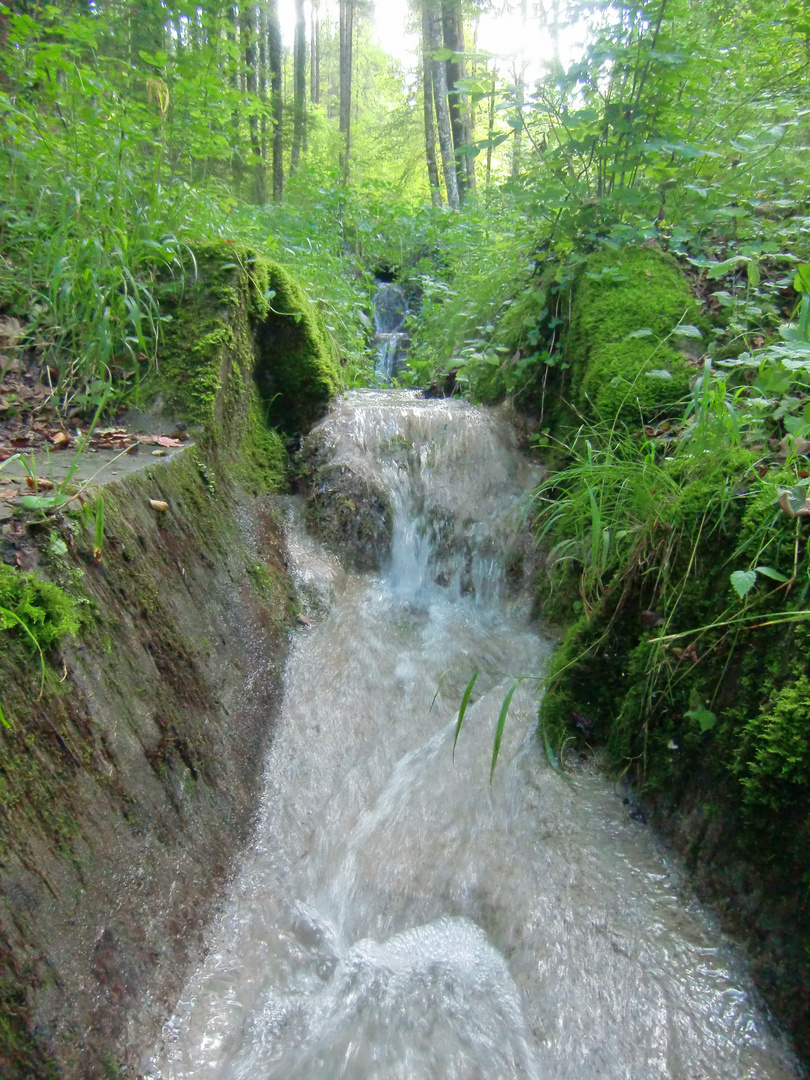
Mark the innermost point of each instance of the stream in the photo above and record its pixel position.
(398, 918)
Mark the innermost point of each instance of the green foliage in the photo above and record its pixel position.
(604, 509)
(775, 752)
(46, 612)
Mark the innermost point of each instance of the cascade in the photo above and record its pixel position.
(390, 310)
(399, 918)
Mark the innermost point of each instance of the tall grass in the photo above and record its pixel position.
(604, 510)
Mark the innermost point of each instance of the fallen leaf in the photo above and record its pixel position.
(652, 618)
(11, 330)
(158, 453)
(792, 506)
(164, 440)
(689, 653)
(158, 504)
(39, 483)
(60, 439)
(304, 620)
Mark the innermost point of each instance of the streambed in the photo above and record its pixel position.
(398, 917)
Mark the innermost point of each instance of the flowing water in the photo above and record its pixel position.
(390, 310)
(399, 919)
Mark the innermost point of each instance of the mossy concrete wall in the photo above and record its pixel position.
(128, 784)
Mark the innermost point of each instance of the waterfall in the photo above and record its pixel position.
(399, 918)
(390, 310)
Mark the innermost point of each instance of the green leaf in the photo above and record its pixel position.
(801, 283)
(465, 700)
(687, 330)
(638, 334)
(43, 502)
(705, 717)
(769, 572)
(743, 582)
(496, 746)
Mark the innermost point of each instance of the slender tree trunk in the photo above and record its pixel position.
(277, 101)
(146, 29)
(430, 133)
(520, 84)
(453, 37)
(491, 124)
(299, 85)
(315, 54)
(346, 39)
(263, 76)
(247, 20)
(434, 41)
(237, 164)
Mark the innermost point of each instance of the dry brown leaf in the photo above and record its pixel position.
(37, 483)
(164, 440)
(60, 440)
(11, 330)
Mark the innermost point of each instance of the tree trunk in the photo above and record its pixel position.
(277, 101)
(346, 36)
(453, 37)
(315, 55)
(434, 41)
(430, 133)
(299, 85)
(520, 83)
(263, 76)
(247, 20)
(237, 164)
(146, 29)
(491, 124)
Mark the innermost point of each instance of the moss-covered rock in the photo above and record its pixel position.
(243, 349)
(633, 291)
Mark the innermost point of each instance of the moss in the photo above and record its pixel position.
(618, 293)
(20, 1057)
(634, 380)
(261, 581)
(775, 751)
(261, 463)
(244, 321)
(45, 611)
